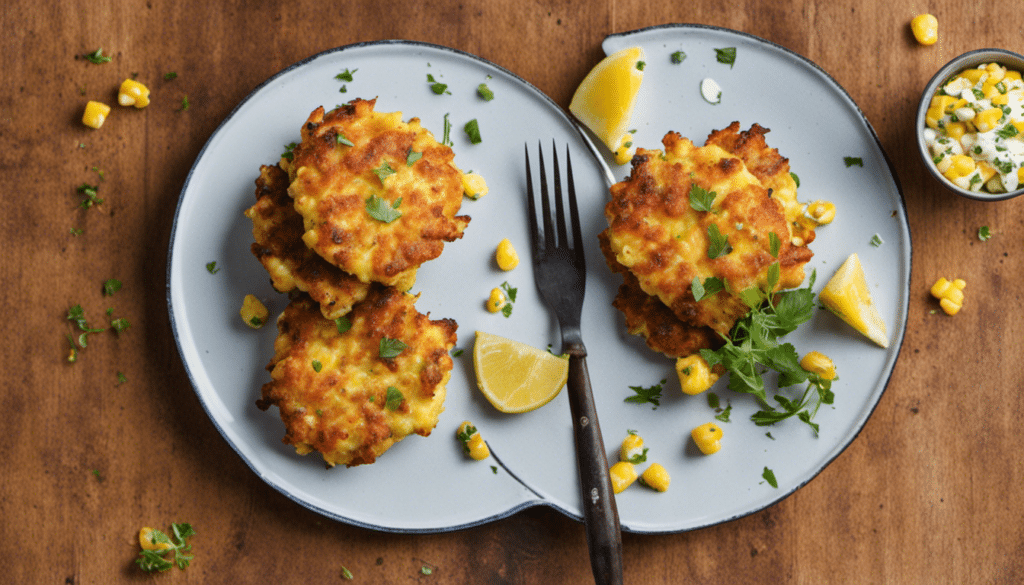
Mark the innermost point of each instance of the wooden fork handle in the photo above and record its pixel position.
(601, 517)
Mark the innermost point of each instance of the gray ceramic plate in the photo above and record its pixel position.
(426, 484)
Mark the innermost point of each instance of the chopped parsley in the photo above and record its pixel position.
(383, 171)
(154, 560)
(436, 86)
(120, 324)
(343, 324)
(709, 287)
(317, 366)
(381, 210)
(645, 395)
(640, 65)
(346, 574)
(446, 138)
(111, 286)
(121, 378)
(390, 348)
(412, 157)
(853, 161)
(343, 141)
(1008, 131)
(211, 267)
(170, 75)
(184, 104)
(345, 75)
(678, 57)
(394, 398)
(769, 476)
(796, 179)
(90, 194)
(510, 299)
(77, 315)
(876, 240)
(701, 199)
(718, 244)
(984, 233)
(472, 129)
(288, 153)
(485, 92)
(724, 415)
(726, 56)
(457, 353)
(97, 57)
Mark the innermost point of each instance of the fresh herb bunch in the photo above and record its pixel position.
(154, 560)
(753, 348)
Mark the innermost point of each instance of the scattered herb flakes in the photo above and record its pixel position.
(170, 75)
(121, 378)
(96, 474)
(640, 65)
(769, 435)
(724, 415)
(853, 161)
(120, 325)
(510, 298)
(390, 348)
(90, 194)
(457, 353)
(494, 469)
(446, 138)
(876, 240)
(345, 75)
(427, 569)
(678, 57)
(393, 398)
(343, 324)
(77, 315)
(154, 560)
(718, 244)
(796, 179)
(701, 199)
(77, 231)
(184, 104)
(412, 157)
(346, 574)
(485, 92)
(472, 129)
(707, 288)
(648, 394)
(437, 87)
(111, 286)
(317, 366)
(340, 139)
(343, 89)
(713, 401)
(212, 268)
(984, 233)
(97, 57)
(289, 151)
(769, 476)
(381, 210)
(726, 56)
(383, 171)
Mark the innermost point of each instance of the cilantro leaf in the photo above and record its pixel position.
(769, 476)
(485, 92)
(709, 287)
(678, 57)
(343, 324)
(726, 56)
(345, 75)
(796, 179)
(288, 148)
(644, 395)
(381, 210)
(383, 171)
(97, 57)
(340, 139)
(155, 560)
(718, 244)
(510, 298)
(317, 366)
(394, 398)
(700, 199)
(211, 267)
(111, 286)
(472, 129)
(984, 233)
(851, 161)
(390, 348)
(412, 157)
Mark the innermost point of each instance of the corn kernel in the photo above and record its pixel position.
(956, 130)
(950, 307)
(146, 540)
(472, 442)
(656, 477)
(496, 301)
(133, 93)
(506, 255)
(474, 186)
(1012, 75)
(95, 114)
(822, 212)
(623, 474)
(708, 438)
(973, 75)
(985, 170)
(987, 119)
(925, 28)
(950, 294)
(695, 376)
(253, 312)
(960, 165)
(819, 363)
(942, 103)
(632, 449)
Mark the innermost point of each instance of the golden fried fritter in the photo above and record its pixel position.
(277, 229)
(342, 393)
(665, 242)
(378, 196)
(649, 318)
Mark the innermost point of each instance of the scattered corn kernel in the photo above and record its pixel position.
(632, 449)
(925, 28)
(95, 114)
(474, 186)
(656, 477)
(708, 438)
(506, 255)
(821, 212)
(146, 540)
(133, 93)
(472, 443)
(253, 312)
(624, 153)
(623, 474)
(819, 363)
(496, 301)
(950, 294)
(695, 376)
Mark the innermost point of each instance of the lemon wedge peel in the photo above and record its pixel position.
(516, 377)
(605, 98)
(846, 294)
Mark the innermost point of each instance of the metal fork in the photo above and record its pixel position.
(561, 273)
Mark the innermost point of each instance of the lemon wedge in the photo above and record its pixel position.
(604, 100)
(846, 295)
(516, 377)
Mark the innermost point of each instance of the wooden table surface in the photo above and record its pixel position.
(928, 493)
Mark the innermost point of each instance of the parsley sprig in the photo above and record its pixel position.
(647, 394)
(155, 560)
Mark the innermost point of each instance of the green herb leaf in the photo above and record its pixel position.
(1008, 131)
(446, 138)
(345, 75)
(390, 348)
(288, 153)
(343, 324)
(211, 267)
(485, 92)
(876, 240)
(155, 560)
(184, 104)
(346, 574)
(121, 378)
(774, 244)
(851, 161)
(436, 86)
(472, 129)
(97, 57)
(343, 141)
(394, 398)
(984, 233)
(640, 65)
(700, 199)
(769, 476)
(381, 210)
(412, 157)
(644, 395)
(457, 353)
(383, 171)
(170, 75)
(724, 415)
(111, 286)
(90, 193)
(639, 457)
(510, 298)
(718, 244)
(317, 366)
(678, 57)
(709, 287)
(796, 179)
(120, 325)
(726, 56)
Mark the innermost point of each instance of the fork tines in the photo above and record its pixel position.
(552, 234)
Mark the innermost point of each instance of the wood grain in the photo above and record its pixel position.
(930, 492)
